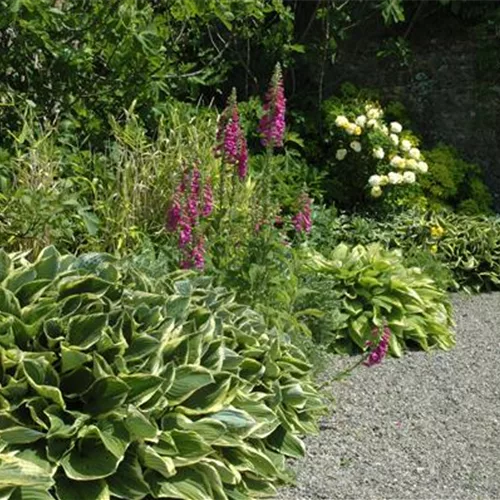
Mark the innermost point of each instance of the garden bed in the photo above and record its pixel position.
(423, 427)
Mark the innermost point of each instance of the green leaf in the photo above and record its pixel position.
(18, 278)
(86, 330)
(105, 395)
(153, 460)
(188, 379)
(5, 265)
(71, 358)
(89, 460)
(9, 303)
(20, 435)
(15, 471)
(128, 482)
(87, 284)
(286, 443)
(31, 493)
(139, 426)
(76, 490)
(142, 387)
(187, 483)
(36, 378)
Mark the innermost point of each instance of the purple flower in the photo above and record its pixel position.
(243, 158)
(272, 123)
(231, 142)
(302, 221)
(185, 234)
(208, 201)
(379, 353)
(198, 255)
(173, 215)
(189, 205)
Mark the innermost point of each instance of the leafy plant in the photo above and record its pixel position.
(454, 182)
(469, 246)
(113, 385)
(362, 287)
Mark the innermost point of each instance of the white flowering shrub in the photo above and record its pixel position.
(372, 157)
(394, 159)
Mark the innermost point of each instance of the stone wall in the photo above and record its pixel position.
(451, 88)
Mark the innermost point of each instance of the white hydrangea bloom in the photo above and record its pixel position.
(397, 161)
(378, 153)
(384, 180)
(384, 129)
(341, 121)
(409, 177)
(373, 113)
(405, 145)
(341, 154)
(371, 123)
(414, 153)
(396, 127)
(412, 164)
(358, 130)
(361, 120)
(374, 180)
(395, 139)
(356, 146)
(376, 191)
(351, 128)
(423, 167)
(395, 178)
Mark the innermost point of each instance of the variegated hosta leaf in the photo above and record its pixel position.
(115, 385)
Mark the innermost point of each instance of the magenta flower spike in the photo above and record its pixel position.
(302, 221)
(379, 353)
(191, 202)
(272, 123)
(231, 142)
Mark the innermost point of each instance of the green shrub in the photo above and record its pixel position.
(368, 157)
(455, 182)
(116, 386)
(361, 287)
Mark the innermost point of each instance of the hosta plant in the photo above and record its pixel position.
(366, 287)
(115, 387)
(468, 245)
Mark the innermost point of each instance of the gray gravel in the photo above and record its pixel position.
(426, 426)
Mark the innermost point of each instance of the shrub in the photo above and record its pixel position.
(368, 158)
(455, 182)
(361, 287)
(114, 385)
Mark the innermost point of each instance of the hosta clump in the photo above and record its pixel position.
(362, 287)
(114, 387)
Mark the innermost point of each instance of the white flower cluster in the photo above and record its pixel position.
(407, 160)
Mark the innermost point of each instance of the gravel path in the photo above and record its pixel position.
(424, 427)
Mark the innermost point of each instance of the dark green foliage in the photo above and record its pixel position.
(454, 182)
(116, 385)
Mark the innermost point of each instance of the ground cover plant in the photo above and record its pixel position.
(119, 387)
